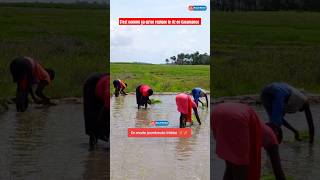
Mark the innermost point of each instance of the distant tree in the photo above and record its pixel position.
(190, 59)
(167, 61)
(173, 59)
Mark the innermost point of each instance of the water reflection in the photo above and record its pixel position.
(97, 164)
(49, 143)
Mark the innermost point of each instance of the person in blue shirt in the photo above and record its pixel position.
(197, 93)
(280, 98)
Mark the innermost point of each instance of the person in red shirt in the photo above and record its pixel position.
(96, 101)
(185, 105)
(239, 135)
(142, 94)
(119, 86)
(27, 72)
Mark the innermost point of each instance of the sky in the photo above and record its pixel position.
(153, 44)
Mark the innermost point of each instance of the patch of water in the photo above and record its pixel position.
(49, 143)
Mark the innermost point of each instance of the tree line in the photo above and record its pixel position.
(265, 5)
(189, 59)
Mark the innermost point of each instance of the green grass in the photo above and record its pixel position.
(74, 42)
(252, 49)
(162, 78)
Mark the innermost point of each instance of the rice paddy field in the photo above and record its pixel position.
(72, 41)
(251, 49)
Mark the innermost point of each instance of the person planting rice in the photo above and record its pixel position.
(239, 135)
(27, 72)
(96, 100)
(142, 94)
(197, 93)
(281, 98)
(119, 86)
(185, 105)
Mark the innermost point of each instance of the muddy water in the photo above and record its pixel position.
(299, 160)
(49, 143)
(156, 158)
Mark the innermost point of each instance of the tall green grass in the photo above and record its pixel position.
(74, 42)
(252, 49)
(162, 78)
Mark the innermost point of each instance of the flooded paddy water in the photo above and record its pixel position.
(299, 160)
(157, 158)
(49, 143)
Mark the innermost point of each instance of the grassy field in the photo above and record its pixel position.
(162, 78)
(74, 42)
(252, 49)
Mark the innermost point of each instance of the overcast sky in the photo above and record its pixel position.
(153, 44)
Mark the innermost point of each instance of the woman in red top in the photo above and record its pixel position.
(119, 86)
(142, 94)
(239, 136)
(185, 105)
(27, 72)
(96, 100)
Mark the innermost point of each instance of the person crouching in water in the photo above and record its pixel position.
(279, 99)
(96, 100)
(240, 135)
(27, 72)
(119, 87)
(185, 105)
(197, 93)
(142, 94)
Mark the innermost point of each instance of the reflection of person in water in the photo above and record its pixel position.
(119, 86)
(97, 165)
(281, 98)
(142, 94)
(96, 96)
(27, 72)
(239, 135)
(197, 93)
(185, 105)
(185, 146)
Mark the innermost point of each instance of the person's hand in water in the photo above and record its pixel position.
(149, 101)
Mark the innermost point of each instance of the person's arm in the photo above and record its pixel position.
(35, 100)
(310, 122)
(39, 92)
(206, 100)
(296, 132)
(122, 91)
(196, 114)
(200, 101)
(273, 152)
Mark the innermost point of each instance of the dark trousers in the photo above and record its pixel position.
(21, 71)
(97, 117)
